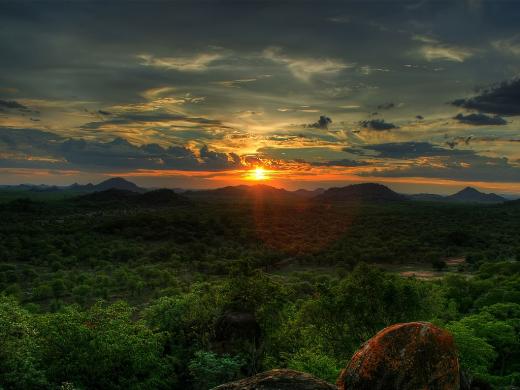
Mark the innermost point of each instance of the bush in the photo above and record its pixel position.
(315, 363)
(209, 370)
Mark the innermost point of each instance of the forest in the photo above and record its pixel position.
(159, 291)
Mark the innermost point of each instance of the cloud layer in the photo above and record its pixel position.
(219, 86)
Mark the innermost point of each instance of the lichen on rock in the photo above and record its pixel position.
(409, 356)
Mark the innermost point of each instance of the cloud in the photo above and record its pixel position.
(125, 118)
(446, 53)
(196, 63)
(21, 148)
(157, 92)
(322, 123)
(350, 106)
(305, 68)
(423, 159)
(12, 104)
(467, 168)
(377, 125)
(340, 19)
(510, 46)
(432, 50)
(480, 119)
(299, 138)
(406, 150)
(368, 70)
(501, 99)
(338, 163)
(239, 82)
(386, 106)
(234, 83)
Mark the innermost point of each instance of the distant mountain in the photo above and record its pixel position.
(308, 193)
(31, 187)
(161, 197)
(116, 183)
(427, 197)
(360, 192)
(472, 195)
(243, 192)
(80, 187)
(114, 196)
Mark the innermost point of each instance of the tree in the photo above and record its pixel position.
(439, 265)
(20, 361)
(475, 354)
(209, 370)
(315, 362)
(101, 348)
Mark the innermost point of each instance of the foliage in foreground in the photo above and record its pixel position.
(308, 323)
(132, 298)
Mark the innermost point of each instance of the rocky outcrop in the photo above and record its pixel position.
(410, 356)
(278, 380)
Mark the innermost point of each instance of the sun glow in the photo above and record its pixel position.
(259, 173)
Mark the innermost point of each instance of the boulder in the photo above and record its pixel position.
(278, 380)
(409, 356)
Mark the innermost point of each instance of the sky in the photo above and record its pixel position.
(421, 95)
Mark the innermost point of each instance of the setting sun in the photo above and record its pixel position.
(259, 174)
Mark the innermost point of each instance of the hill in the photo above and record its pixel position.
(117, 183)
(117, 197)
(244, 192)
(360, 192)
(472, 195)
(308, 193)
(427, 197)
(111, 195)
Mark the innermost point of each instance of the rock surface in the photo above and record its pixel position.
(409, 356)
(278, 380)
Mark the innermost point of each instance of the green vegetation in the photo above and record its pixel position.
(117, 296)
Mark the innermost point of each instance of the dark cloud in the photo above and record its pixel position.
(53, 58)
(219, 160)
(338, 163)
(12, 104)
(486, 139)
(450, 163)
(500, 99)
(471, 167)
(481, 119)
(458, 140)
(148, 116)
(386, 106)
(322, 123)
(377, 125)
(406, 150)
(38, 149)
(294, 136)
